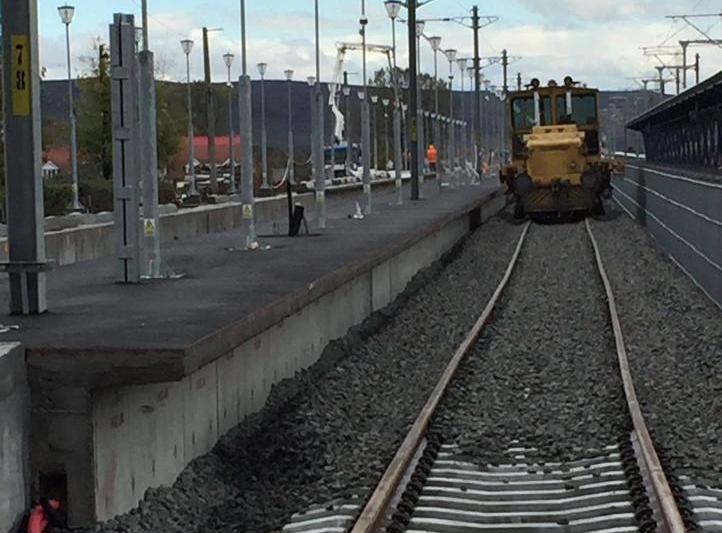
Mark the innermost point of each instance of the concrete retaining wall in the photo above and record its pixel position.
(14, 431)
(126, 439)
(684, 217)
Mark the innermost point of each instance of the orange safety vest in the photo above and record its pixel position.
(431, 154)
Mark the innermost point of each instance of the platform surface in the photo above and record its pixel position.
(92, 318)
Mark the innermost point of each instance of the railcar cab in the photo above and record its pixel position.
(554, 105)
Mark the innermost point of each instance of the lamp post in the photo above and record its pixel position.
(451, 57)
(393, 8)
(420, 147)
(385, 102)
(461, 63)
(375, 129)
(228, 60)
(320, 177)
(365, 119)
(187, 46)
(435, 42)
(347, 125)
(66, 13)
(262, 67)
(291, 179)
(248, 219)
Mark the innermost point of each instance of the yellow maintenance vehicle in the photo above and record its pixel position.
(557, 166)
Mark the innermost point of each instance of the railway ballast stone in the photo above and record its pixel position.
(674, 341)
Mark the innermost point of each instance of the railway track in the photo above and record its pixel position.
(429, 485)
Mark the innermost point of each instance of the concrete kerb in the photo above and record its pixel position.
(143, 425)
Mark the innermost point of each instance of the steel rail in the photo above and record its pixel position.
(671, 517)
(373, 512)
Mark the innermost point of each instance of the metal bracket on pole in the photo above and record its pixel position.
(26, 241)
(126, 149)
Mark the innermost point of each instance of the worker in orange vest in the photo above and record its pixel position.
(431, 157)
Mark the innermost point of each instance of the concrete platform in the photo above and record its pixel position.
(130, 383)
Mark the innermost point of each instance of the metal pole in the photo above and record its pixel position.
(436, 123)
(144, 21)
(151, 264)
(420, 117)
(413, 102)
(696, 68)
(684, 64)
(397, 122)
(291, 160)
(347, 122)
(210, 113)
(518, 81)
(191, 148)
(126, 148)
(505, 66)
(231, 134)
(73, 126)
(264, 138)
(387, 157)
(320, 167)
(365, 119)
(23, 139)
(248, 224)
(476, 119)
(451, 147)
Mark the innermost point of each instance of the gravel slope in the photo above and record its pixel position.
(674, 339)
(545, 370)
(336, 425)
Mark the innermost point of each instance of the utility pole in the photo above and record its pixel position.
(248, 224)
(413, 114)
(211, 113)
(661, 79)
(696, 69)
(518, 81)
(21, 77)
(505, 67)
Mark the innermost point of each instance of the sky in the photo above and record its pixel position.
(597, 42)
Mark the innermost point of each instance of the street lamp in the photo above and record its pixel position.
(393, 8)
(187, 47)
(228, 60)
(347, 126)
(262, 67)
(420, 25)
(290, 172)
(385, 102)
(245, 113)
(374, 129)
(461, 63)
(66, 13)
(451, 57)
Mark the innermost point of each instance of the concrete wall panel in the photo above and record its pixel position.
(14, 435)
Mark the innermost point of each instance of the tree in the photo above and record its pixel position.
(95, 128)
(170, 124)
(427, 83)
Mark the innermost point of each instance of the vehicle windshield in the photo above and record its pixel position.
(584, 109)
(523, 112)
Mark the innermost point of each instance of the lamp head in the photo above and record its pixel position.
(450, 54)
(66, 13)
(461, 62)
(187, 46)
(435, 42)
(311, 80)
(374, 98)
(393, 8)
(289, 74)
(228, 59)
(420, 25)
(385, 101)
(262, 67)
(346, 90)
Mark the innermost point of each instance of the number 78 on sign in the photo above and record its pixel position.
(20, 75)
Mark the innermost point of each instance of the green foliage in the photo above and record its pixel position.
(58, 195)
(55, 133)
(96, 194)
(170, 124)
(95, 135)
(167, 192)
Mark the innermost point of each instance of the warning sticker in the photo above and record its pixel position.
(247, 211)
(320, 197)
(149, 227)
(20, 78)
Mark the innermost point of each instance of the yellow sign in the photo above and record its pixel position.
(149, 227)
(247, 211)
(20, 78)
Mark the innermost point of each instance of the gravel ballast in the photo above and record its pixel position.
(544, 371)
(673, 334)
(335, 426)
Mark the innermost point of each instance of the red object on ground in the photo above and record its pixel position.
(38, 522)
